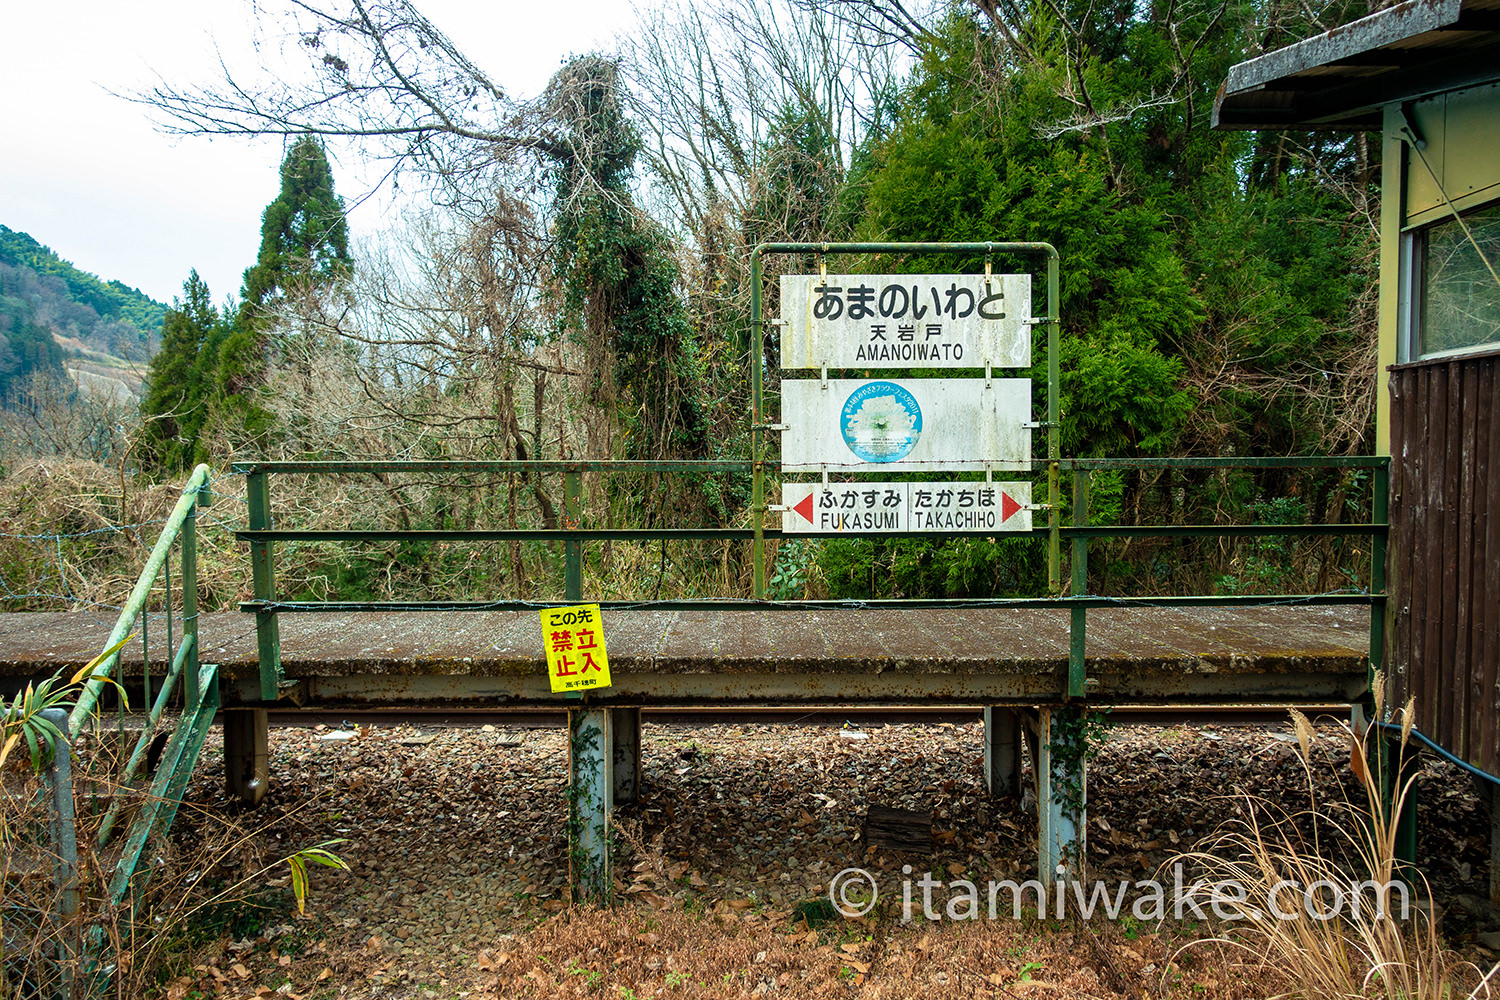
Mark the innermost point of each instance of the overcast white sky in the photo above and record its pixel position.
(86, 174)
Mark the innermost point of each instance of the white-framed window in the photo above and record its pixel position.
(1450, 302)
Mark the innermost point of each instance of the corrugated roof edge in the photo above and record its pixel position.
(1368, 33)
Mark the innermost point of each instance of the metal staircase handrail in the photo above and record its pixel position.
(181, 522)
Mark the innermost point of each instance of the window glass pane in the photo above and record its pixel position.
(1461, 298)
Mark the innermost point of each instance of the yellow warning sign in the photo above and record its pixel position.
(574, 640)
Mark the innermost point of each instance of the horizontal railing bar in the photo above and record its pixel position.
(1196, 601)
(731, 534)
(1212, 530)
(494, 535)
(746, 465)
(1246, 462)
(508, 465)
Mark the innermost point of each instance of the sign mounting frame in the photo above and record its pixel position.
(759, 424)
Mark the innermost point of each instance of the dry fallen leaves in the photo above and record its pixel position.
(457, 837)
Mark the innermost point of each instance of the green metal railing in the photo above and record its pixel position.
(181, 523)
(1059, 833)
(200, 696)
(1079, 534)
(89, 963)
(262, 536)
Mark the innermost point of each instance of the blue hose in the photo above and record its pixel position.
(1487, 776)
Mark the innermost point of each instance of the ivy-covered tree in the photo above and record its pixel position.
(618, 275)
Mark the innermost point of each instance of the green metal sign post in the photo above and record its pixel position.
(1063, 779)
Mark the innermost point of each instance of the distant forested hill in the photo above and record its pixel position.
(50, 311)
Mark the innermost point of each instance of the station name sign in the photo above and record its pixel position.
(883, 508)
(905, 321)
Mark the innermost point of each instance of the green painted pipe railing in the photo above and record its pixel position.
(576, 535)
(159, 807)
(262, 536)
(266, 606)
(200, 685)
(163, 697)
(182, 522)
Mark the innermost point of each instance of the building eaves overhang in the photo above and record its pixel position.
(1340, 80)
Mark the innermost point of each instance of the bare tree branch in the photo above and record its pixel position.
(888, 22)
(376, 70)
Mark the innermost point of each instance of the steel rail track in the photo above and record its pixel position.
(543, 718)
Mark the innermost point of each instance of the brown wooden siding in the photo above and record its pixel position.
(1444, 646)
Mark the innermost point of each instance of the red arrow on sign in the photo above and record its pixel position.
(805, 508)
(1007, 506)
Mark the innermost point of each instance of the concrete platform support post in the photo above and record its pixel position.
(247, 764)
(591, 785)
(1061, 795)
(1002, 751)
(627, 743)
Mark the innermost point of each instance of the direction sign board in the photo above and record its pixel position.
(905, 320)
(884, 508)
(907, 425)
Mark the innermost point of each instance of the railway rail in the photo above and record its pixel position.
(544, 718)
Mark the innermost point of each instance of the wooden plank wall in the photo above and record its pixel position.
(1445, 551)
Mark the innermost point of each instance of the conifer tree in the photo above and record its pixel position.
(304, 247)
(303, 234)
(175, 399)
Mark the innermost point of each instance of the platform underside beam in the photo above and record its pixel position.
(626, 727)
(709, 690)
(1002, 751)
(247, 765)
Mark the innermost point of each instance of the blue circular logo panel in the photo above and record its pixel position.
(881, 422)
